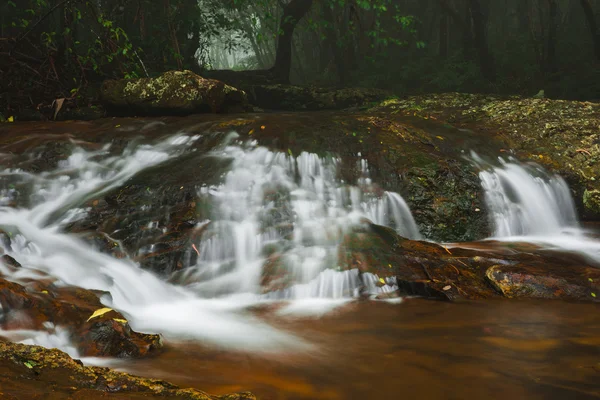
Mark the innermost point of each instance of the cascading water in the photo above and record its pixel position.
(526, 200)
(270, 207)
(292, 212)
(526, 203)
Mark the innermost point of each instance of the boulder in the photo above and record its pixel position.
(492, 270)
(172, 93)
(96, 331)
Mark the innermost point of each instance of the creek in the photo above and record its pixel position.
(259, 296)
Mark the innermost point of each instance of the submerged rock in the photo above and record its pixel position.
(33, 371)
(172, 93)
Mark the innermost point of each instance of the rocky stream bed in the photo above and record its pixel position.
(418, 147)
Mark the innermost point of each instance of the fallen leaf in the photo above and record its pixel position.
(11, 119)
(196, 249)
(123, 321)
(99, 312)
(251, 132)
(439, 137)
(382, 281)
(448, 287)
(262, 127)
(30, 364)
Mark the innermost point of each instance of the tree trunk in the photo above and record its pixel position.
(523, 17)
(591, 21)
(551, 39)
(443, 45)
(464, 24)
(486, 60)
(293, 12)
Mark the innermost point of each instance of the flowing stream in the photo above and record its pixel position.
(268, 201)
(271, 233)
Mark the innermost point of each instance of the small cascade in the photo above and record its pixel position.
(271, 213)
(527, 203)
(526, 200)
(280, 215)
(149, 303)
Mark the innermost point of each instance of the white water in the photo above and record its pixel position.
(305, 225)
(294, 210)
(526, 203)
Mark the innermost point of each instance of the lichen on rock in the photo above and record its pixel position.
(174, 92)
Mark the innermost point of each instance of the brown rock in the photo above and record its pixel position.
(546, 281)
(108, 334)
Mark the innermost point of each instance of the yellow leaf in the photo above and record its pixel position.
(11, 119)
(381, 280)
(262, 127)
(45, 291)
(99, 312)
(251, 132)
(594, 295)
(123, 321)
(390, 265)
(439, 137)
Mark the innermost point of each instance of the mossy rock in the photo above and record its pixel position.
(172, 93)
(34, 372)
(562, 135)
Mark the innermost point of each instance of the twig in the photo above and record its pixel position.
(38, 22)
(426, 272)
(584, 151)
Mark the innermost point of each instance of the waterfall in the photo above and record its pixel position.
(527, 203)
(269, 207)
(526, 200)
(290, 211)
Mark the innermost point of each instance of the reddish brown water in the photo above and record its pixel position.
(417, 349)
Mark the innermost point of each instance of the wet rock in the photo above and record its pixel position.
(433, 271)
(81, 114)
(172, 93)
(591, 201)
(8, 260)
(561, 135)
(36, 371)
(108, 334)
(547, 281)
